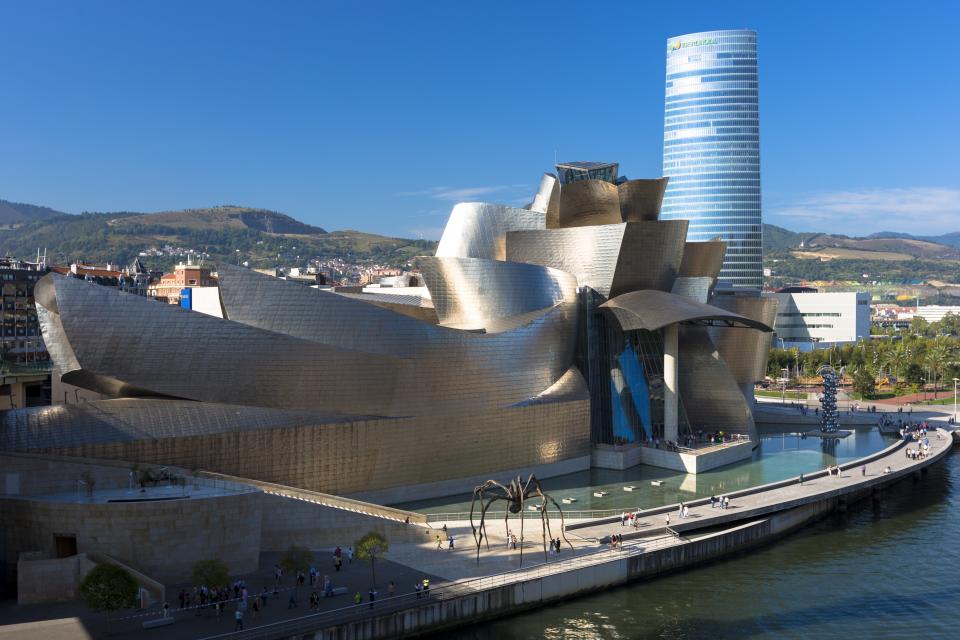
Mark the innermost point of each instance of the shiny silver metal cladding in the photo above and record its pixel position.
(745, 352)
(589, 202)
(469, 293)
(476, 229)
(611, 258)
(641, 199)
(651, 310)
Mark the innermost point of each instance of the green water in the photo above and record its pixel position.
(885, 569)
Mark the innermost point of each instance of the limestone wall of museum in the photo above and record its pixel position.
(160, 538)
(377, 453)
(287, 522)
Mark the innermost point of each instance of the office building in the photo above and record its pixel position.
(811, 320)
(711, 146)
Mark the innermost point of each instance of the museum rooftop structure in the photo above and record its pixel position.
(580, 323)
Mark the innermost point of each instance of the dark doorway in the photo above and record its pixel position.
(66, 545)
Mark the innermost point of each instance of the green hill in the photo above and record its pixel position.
(225, 233)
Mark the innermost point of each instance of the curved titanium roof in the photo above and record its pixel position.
(547, 200)
(745, 352)
(589, 202)
(288, 346)
(477, 229)
(610, 258)
(641, 199)
(651, 310)
(703, 259)
(470, 293)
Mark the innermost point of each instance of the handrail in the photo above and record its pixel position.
(326, 499)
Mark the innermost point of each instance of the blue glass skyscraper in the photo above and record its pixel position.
(711, 146)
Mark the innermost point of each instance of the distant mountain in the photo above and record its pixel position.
(879, 246)
(12, 213)
(264, 238)
(951, 239)
(219, 218)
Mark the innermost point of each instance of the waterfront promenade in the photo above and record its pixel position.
(498, 586)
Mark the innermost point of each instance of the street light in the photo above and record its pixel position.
(955, 380)
(783, 395)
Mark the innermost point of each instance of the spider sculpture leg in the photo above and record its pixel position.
(563, 526)
(483, 520)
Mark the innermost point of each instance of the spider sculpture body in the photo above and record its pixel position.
(514, 494)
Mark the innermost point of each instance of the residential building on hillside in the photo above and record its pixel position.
(811, 320)
(169, 287)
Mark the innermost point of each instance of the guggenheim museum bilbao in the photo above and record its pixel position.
(579, 322)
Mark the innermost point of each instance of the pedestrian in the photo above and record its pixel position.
(357, 598)
(349, 555)
(668, 520)
(292, 600)
(263, 597)
(623, 518)
(337, 561)
(238, 616)
(439, 543)
(426, 586)
(863, 470)
(391, 588)
(801, 479)
(373, 594)
(255, 607)
(558, 547)
(416, 588)
(277, 574)
(450, 540)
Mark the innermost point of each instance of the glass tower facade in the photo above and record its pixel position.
(711, 146)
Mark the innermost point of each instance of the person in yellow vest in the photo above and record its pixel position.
(426, 586)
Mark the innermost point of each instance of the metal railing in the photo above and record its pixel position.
(552, 512)
(326, 499)
(314, 621)
(448, 591)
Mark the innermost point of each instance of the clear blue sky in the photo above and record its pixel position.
(379, 116)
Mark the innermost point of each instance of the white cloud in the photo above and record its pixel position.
(465, 194)
(916, 210)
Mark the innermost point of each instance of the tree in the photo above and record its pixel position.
(369, 548)
(864, 383)
(108, 588)
(296, 558)
(211, 573)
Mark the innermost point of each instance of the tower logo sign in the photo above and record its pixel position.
(676, 46)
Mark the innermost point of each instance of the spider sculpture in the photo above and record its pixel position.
(514, 495)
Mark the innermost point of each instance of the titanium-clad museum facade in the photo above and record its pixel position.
(581, 319)
(711, 146)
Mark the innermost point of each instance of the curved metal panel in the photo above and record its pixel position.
(476, 229)
(710, 395)
(444, 367)
(650, 256)
(469, 293)
(745, 351)
(652, 310)
(131, 419)
(589, 202)
(547, 200)
(697, 289)
(703, 259)
(589, 253)
(640, 200)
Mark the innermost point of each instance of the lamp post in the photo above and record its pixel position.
(955, 380)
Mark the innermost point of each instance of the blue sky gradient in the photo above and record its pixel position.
(380, 116)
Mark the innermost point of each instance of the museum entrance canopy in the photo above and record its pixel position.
(651, 310)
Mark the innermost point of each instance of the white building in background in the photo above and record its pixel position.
(813, 320)
(930, 313)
